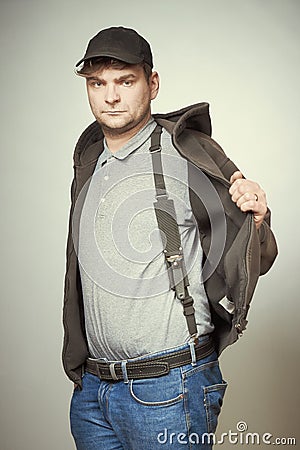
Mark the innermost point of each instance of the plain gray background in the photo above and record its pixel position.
(240, 56)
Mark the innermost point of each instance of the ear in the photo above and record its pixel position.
(154, 85)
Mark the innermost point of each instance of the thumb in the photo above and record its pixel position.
(235, 176)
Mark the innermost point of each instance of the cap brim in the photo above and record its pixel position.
(125, 57)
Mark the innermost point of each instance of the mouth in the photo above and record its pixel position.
(113, 112)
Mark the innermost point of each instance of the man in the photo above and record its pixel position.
(166, 243)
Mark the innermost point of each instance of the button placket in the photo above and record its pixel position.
(104, 186)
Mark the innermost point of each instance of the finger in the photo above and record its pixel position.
(250, 205)
(258, 219)
(235, 176)
(238, 188)
(244, 187)
(249, 198)
(258, 208)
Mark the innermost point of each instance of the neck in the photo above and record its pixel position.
(116, 139)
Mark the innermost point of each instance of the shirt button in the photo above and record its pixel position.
(102, 200)
(106, 177)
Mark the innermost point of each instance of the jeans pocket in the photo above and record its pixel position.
(161, 391)
(213, 400)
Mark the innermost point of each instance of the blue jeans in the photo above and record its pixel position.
(175, 411)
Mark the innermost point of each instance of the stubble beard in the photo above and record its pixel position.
(117, 129)
(120, 125)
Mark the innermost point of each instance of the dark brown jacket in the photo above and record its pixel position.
(247, 252)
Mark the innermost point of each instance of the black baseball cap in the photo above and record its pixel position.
(120, 43)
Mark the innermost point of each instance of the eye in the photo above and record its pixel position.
(95, 84)
(127, 83)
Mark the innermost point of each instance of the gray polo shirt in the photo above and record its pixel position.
(129, 307)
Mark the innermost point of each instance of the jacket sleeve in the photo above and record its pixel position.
(74, 350)
(268, 246)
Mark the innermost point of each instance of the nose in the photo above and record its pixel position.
(112, 95)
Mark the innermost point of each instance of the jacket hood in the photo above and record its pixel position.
(194, 117)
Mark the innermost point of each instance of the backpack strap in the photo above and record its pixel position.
(167, 223)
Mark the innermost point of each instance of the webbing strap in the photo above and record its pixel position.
(167, 223)
(156, 161)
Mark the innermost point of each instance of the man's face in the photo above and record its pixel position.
(120, 98)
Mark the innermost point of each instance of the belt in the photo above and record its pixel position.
(148, 368)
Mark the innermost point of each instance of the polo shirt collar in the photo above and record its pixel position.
(134, 143)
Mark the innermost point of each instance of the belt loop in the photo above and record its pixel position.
(124, 371)
(113, 372)
(193, 353)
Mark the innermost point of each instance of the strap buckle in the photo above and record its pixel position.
(155, 148)
(177, 274)
(175, 259)
(162, 196)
